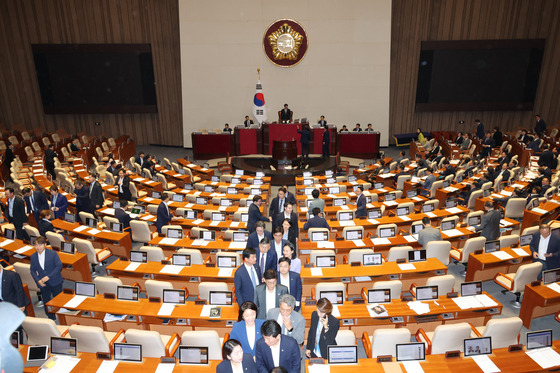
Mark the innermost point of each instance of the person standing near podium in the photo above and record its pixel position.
(326, 142)
(304, 139)
(285, 114)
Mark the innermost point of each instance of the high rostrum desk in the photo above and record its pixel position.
(538, 301)
(358, 145)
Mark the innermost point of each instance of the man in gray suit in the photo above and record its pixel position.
(466, 144)
(292, 323)
(268, 291)
(490, 223)
(429, 233)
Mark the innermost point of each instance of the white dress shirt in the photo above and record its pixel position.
(41, 258)
(543, 247)
(270, 299)
(250, 335)
(275, 350)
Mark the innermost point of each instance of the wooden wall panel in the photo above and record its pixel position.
(420, 20)
(25, 22)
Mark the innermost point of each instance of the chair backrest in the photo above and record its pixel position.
(90, 338)
(383, 226)
(204, 288)
(394, 285)
(330, 286)
(133, 190)
(223, 254)
(196, 256)
(85, 247)
(140, 231)
(196, 232)
(109, 221)
(353, 228)
(398, 252)
(152, 344)
(152, 209)
(435, 186)
(32, 231)
(154, 288)
(209, 338)
(155, 254)
(357, 255)
(472, 245)
(24, 272)
(444, 283)
(39, 330)
(507, 241)
(450, 337)
(439, 250)
(525, 274)
(345, 338)
(472, 214)
(530, 230)
(504, 332)
(515, 208)
(84, 215)
(55, 239)
(315, 253)
(434, 202)
(473, 197)
(105, 284)
(385, 341)
(310, 231)
(400, 181)
(408, 205)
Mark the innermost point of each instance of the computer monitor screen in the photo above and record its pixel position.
(156, 195)
(474, 220)
(127, 293)
(411, 351)
(255, 191)
(325, 261)
(68, 247)
(525, 239)
(551, 276)
(386, 232)
(330, 180)
(486, 192)
(232, 190)
(401, 211)
(450, 203)
(240, 236)
(70, 218)
(478, 346)
(188, 187)
(379, 295)
(539, 339)
(416, 228)
(127, 352)
(92, 223)
(258, 181)
(459, 178)
(259, 174)
(339, 201)
(345, 216)
(307, 181)
(193, 355)
(226, 262)
(226, 202)
(447, 225)
(174, 296)
(181, 259)
(335, 296)
(116, 205)
(215, 179)
(142, 208)
(208, 189)
(235, 180)
(471, 288)
(190, 214)
(239, 172)
(390, 196)
(174, 233)
(491, 246)
(342, 354)
(427, 207)
(306, 174)
(209, 235)
(64, 346)
(446, 183)
(372, 259)
(221, 298)
(374, 213)
(244, 217)
(378, 185)
(117, 227)
(411, 193)
(35, 353)
(218, 216)
(426, 292)
(201, 201)
(334, 190)
(308, 191)
(352, 178)
(319, 236)
(177, 197)
(417, 255)
(138, 256)
(353, 234)
(328, 173)
(85, 288)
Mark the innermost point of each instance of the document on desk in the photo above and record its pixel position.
(109, 317)
(412, 366)
(331, 195)
(222, 208)
(453, 210)
(373, 221)
(450, 189)
(237, 245)
(171, 269)
(108, 211)
(505, 223)
(358, 243)
(362, 278)
(206, 310)
(6, 242)
(166, 309)
(94, 231)
(132, 266)
(545, 357)
(419, 307)
(431, 215)
(225, 272)
(486, 364)
(406, 266)
(63, 364)
(347, 223)
(168, 241)
(554, 286)
(506, 193)
(316, 271)
(75, 301)
(405, 218)
(304, 209)
(198, 221)
(390, 203)
(23, 249)
(148, 199)
(214, 223)
(234, 224)
(502, 255)
(410, 238)
(383, 190)
(189, 205)
(344, 207)
(319, 368)
(485, 300)
(165, 368)
(381, 241)
(466, 303)
(539, 211)
(521, 252)
(417, 199)
(325, 245)
(452, 232)
(147, 217)
(335, 311)
(107, 366)
(80, 228)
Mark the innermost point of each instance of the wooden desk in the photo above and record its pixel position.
(533, 218)
(483, 267)
(204, 173)
(538, 301)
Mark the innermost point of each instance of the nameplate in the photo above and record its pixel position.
(304, 240)
(167, 360)
(453, 294)
(355, 264)
(384, 359)
(310, 302)
(124, 259)
(514, 348)
(154, 299)
(535, 283)
(401, 260)
(358, 301)
(200, 302)
(210, 265)
(109, 296)
(165, 261)
(452, 354)
(103, 355)
(316, 360)
(340, 238)
(407, 298)
(309, 265)
(227, 239)
(68, 291)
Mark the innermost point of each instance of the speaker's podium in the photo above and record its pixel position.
(284, 153)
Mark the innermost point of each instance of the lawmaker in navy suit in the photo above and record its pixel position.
(304, 140)
(317, 221)
(46, 270)
(288, 350)
(59, 203)
(44, 224)
(163, 213)
(35, 201)
(326, 142)
(11, 289)
(247, 277)
(82, 199)
(255, 238)
(278, 203)
(290, 279)
(546, 248)
(278, 242)
(540, 125)
(121, 214)
(255, 214)
(16, 214)
(122, 182)
(247, 330)
(235, 359)
(266, 258)
(361, 211)
(322, 331)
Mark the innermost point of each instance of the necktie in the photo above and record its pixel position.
(253, 277)
(281, 205)
(262, 264)
(32, 203)
(54, 200)
(317, 350)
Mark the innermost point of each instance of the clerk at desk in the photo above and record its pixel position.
(285, 114)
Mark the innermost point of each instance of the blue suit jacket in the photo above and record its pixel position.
(53, 266)
(62, 204)
(295, 286)
(361, 211)
(255, 215)
(290, 355)
(39, 201)
(12, 289)
(123, 217)
(244, 290)
(247, 363)
(271, 261)
(553, 248)
(316, 222)
(163, 216)
(253, 240)
(239, 332)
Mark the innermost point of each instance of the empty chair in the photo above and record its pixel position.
(515, 208)
(439, 250)
(530, 230)
(398, 252)
(472, 215)
(384, 341)
(471, 245)
(196, 232)
(85, 215)
(204, 288)
(510, 240)
(152, 209)
(315, 253)
(504, 332)
(444, 283)
(384, 226)
(345, 338)
(95, 256)
(105, 284)
(357, 255)
(155, 254)
(24, 272)
(448, 337)
(515, 282)
(39, 330)
(196, 256)
(164, 183)
(140, 231)
(394, 285)
(328, 286)
(473, 197)
(401, 180)
(204, 338)
(93, 339)
(435, 186)
(153, 343)
(109, 221)
(434, 202)
(32, 231)
(55, 239)
(154, 288)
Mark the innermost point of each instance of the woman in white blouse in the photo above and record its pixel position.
(248, 328)
(289, 251)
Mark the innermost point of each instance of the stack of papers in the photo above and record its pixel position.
(450, 189)
(417, 199)
(411, 238)
(75, 301)
(554, 286)
(148, 199)
(358, 243)
(147, 217)
(406, 266)
(502, 255)
(325, 245)
(539, 211)
(316, 271)
(453, 210)
(132, 266)
(419, 307)
(545, 357)
(475, 301)
(166, 309)
(452, 232)
(109, 317)
(171, 269)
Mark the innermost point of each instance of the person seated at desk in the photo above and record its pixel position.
(448, 169)
(255, 238)
(275, 349)
(535, 144)
(122, 215)
(255, 214)
(357, 128)
(490, 223)
(545, 248)
(505, 157)
(401, 172)
(547, 158)
(428, 233)
(504, 172)
(267, 295)
(278, 241)
(322, 122)
(112, 168)
(344, 129)
(463, 197)
(247, 329)
(466, 143)
(248, 122)
(226, 129)
(291, 280)
(291, 321)
(247, 277)
(402, 156)
(235, 359)
(59, 202)
(420, 162)
(517, 193)
(459, 139)
(545, 185)
(291, 253)
(427, 184)
(535, 193)
(487, 145)
(435, 150)
(438, 157)
(322, 331)
(285, 114)
(317, 221)
(369, 128)
(361, 211)
(317, 202)
(523, 138)
(44, 225)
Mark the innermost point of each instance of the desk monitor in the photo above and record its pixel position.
(193, 355)
(226, 261)
(339, 201)
(142, 208)
(10, 234)
(353, 234)
(374, 213)
(14, 339)
(447, 225)
(209, 235)
(335, 296)
(446, 183)
(307, 174)
(226, 202)
(208, 189)
(156, 195)
(256, 191)
(352, 178)
(235, 180)
(116, 205)
(174, 296)
(259, 174)
(334, 190)
(416, 228)
(325, 261)
(428, 207)
(64, 346)
(471, 288)
(328, 173)
(411, 351)
(402, 211)
(117, 227)
(426, 292)
(177, 197)
(379, 296)
(69, 217)
(378, 185)
(308, 192)
(68, 247)
(181, 259)
(459, 178)
(201, 201)
(32, 240)
(182, 171)
(85, 288)
(342, 354)
(174, 233)
(258, 181)
(478, 346)
(232, 190)
(411, 193)
(491, 246)
(372, 259)
(244, 217)
(319, 236)
(330, 180)
(127, 352)
(154, 178)
(551, 276)
(390, 196)
(387, 232)
(127, 293)
(239, 172)
(525, 240)
(486, 192)
(37, 355)
(188, 187)
(190, 214)
(215, 179)
(474, 220)
(92, 223)
(345, 216)
(240, 236)
(138, 256)
(450, 203)
(218, 216)
(220, 298)
(308, 181)
(539, 339)
(417, 255)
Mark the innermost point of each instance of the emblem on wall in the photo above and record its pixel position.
(285, 43)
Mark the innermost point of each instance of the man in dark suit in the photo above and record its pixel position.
(545, 185)
(435, 150)
(535, 144)
(401, 172)
(498, 136)
(46, 270)
(305, 139)
(255, 238)
(459, 139)
(266, 258)
(287, 214)
(317, 221)
(9, 155)
(546, 248)
(277, 243)
(357, 128)
(255, 214)
(490, 223)
(270, 289)
(289, 195)
(140, 159)
(287, 348)
(95, 193)
(285, 114)
(524, 138)
(361, 211)
(247, 277)
(226, 129)
(487, 145)
(540, 125)
(278, 203)
(290, 279)
(50, 155)
(326, 142)
(11, 289)
(504, 172)
(82, 198)
(547, 158)
(59, 202)
(112, 168)
(163, 214)
(35, 202)
(291, 321)
(248, 121)
(322, 122)
(420, 162)
(16, 214)
(121, 214)
(479, 128)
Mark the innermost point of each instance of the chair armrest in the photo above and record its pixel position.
(503, 275)
(98, 254)
(474, 330)
(115, 338)
(413, 288)
(307, 260)
(422, 333)
(186, 291)
(364, 293)
(345, 259)
(226, 337)
(4, 261)
(138, 285)
(175, 337)
(312, 293)
(207, 260)
(367, 344)
(65, 333)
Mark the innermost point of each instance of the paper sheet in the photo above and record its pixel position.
(347, 223)
(410, 238)
(171, 269)
(64, 364)
(412, 367)
(237, 245)
(147, 217)
(206, 310)
(335, 310)
(390, 203)
(358, 243)
(148, 199)
(486, 364)
(545, 357)
(225, 272)
(165, 368)
(234, 224)
(107, 366)
(372, 313)
(417, 199)
(166, 309)
(23, 249)
(485, 300)
(521, 252)
(325, 245)
(214, 223)
(198, 221)
(381, 241)
(373, 221)
(75, 301)
(168, 241)
(431, 215)
(132, 266)
(452, 232)
(466, 303)
(6, 242)
(319, 368)
(502, 255)
(80, 228)
(108, 211)
(453, 210)
(406, 266)
(110, 317)
(316, 271)
(344, 207)
(554, 286)
(405, 218)
(94, 231)
(419, 307)
(540, 211)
